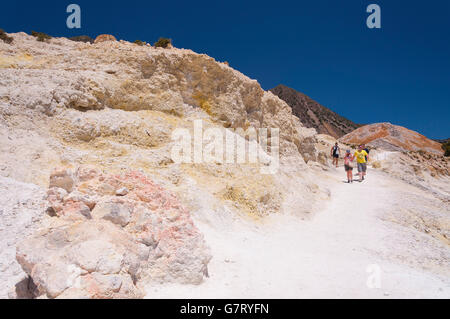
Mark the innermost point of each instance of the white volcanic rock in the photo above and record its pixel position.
(21, 214)
(84, 114)
(122, 192)
(427, 171)
(172, 81)
(112, 107)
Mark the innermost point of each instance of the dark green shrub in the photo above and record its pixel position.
(446, 148)
(139, 42)
(82, 38)
(5, 37)
(163, 43)
(40, 36)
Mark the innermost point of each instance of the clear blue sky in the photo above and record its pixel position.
(323, 48)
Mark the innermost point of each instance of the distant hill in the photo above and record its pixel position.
(314, 115)
(392, 137)
(443, 141)
(445, 146)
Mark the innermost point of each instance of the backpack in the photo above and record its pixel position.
(335, 150)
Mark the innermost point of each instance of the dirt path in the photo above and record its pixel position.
(349, 250)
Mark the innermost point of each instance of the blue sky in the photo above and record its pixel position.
(323, 48)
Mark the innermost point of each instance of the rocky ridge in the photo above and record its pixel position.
(392, 138)
(314, 115)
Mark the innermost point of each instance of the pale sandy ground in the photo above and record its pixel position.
(330, 255)
(21, 209)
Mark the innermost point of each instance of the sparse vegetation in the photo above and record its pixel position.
(5, 37)
(421, 152)
(40, 36)
(446, 148)
(163, 43)
(139, 42)
(82, 38)
(376, 164)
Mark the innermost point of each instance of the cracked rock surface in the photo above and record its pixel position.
(108, 252)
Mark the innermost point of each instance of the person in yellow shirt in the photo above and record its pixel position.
(362, 157)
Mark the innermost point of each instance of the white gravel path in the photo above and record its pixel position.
(334, 255)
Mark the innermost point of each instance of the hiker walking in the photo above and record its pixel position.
(335, 154)
(348, 165)
(368, 152)
(361, 157)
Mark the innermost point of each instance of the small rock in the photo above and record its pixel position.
(106, 189)
(77, 196)
(55, 196)
(122, 192)
(77, 209)
(86, 173)
(51, 212)
(62, 179)
(116, 213)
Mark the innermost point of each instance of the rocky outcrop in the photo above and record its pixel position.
(113, 106)
(83, 38)
(104, 38)
(392, 138)
(172, 81)
(426, 170)
(102, 245)
(314, 115)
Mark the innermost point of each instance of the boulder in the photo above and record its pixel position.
(104, 38)
(103, 246)
(122, 192)
(69, 257)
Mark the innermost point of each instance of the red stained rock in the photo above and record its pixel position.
(104, 38)
(392, 138)
(119, 242)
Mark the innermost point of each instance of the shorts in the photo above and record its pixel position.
(348, 168)
(362, 167)
(336, 155)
